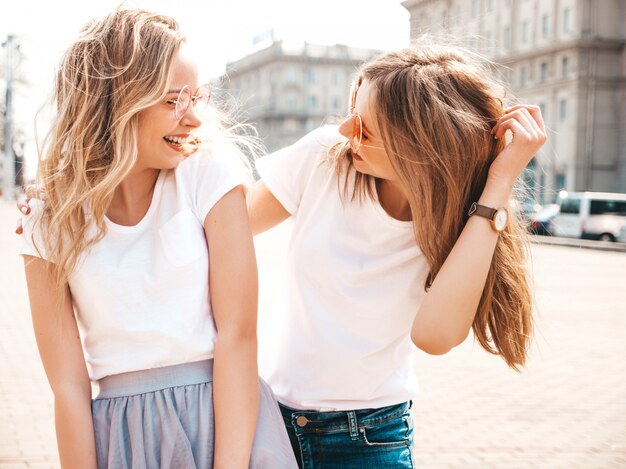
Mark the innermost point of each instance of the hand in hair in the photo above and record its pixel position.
(528, 135)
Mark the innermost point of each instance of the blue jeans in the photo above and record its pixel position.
(365, 438)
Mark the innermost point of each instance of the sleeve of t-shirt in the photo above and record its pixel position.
(209, 175)
(32, 239)
(287, 172)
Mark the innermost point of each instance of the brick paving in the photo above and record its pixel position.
(566, 409)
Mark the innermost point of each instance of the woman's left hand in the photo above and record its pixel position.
(528, 135)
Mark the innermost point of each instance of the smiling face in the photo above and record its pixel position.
(371, 159)
(161, 134)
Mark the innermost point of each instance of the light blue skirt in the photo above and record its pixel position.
(163, 418)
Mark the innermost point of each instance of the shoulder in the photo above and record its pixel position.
(302, 155)
(217, 160)
(214, 154)
(322, 138)
(206, 175)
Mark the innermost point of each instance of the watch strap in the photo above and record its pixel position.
(481, 211)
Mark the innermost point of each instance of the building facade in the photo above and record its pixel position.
(287, 92)
(567, 56)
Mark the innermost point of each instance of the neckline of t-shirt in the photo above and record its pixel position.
(156, 195)
(380, 211)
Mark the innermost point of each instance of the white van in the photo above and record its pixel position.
(591, 215)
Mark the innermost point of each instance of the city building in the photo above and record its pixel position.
(286, 92)
(567, 56)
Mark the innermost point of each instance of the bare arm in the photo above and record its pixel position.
(61, 352)
(234, 293)
(446, 315)
(264, 209)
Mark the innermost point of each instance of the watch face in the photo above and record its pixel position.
(501, 219)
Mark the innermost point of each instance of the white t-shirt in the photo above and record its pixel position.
(355, 280)
(141, 294)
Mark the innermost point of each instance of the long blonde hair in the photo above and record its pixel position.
(435, 107)
(118, 66)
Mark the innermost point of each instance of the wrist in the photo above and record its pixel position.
(497, 193)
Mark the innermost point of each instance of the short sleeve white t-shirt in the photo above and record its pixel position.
(141, 294)
(354, 282)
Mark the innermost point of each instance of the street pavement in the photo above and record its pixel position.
(565, 409)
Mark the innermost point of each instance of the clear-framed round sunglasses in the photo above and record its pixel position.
(199, 100)
(357, 122)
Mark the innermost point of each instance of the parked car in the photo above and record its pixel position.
(590, 215)
(540, 222)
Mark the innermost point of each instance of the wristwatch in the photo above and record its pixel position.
(498, 216)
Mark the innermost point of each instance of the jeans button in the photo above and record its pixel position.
(302, 421)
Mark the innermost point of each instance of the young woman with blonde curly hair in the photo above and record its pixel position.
(122, 249)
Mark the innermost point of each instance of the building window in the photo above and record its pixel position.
(312, 102)
(506, 37)
(545, 26)
(563, 110)
(335, 77)
(291, 75)
(312, 76)
(542, 108)
(291, 103)
(490, 5)
(543, 73)
(336, 104)
(523, 76)
(525, 27)
(565, 67)
(567, 20)
(474, 8)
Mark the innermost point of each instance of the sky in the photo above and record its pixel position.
(218, 31)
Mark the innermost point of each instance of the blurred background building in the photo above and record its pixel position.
(288, 91)
(11, 139)
(567, 56)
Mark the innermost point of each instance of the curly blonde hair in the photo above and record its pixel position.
(119, 65)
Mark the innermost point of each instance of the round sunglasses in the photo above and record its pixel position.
(357, 124)
(199, 100)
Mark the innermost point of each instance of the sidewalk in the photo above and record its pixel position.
(566, 409)
(26, 426)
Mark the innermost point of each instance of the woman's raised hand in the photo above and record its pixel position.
(528, 135)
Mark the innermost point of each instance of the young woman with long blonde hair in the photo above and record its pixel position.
(121, 250)
(402, 237)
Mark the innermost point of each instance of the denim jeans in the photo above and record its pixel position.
(365, 438)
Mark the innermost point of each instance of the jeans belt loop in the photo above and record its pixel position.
(352, 424)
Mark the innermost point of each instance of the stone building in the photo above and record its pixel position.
(567, 56)
(287, 92)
